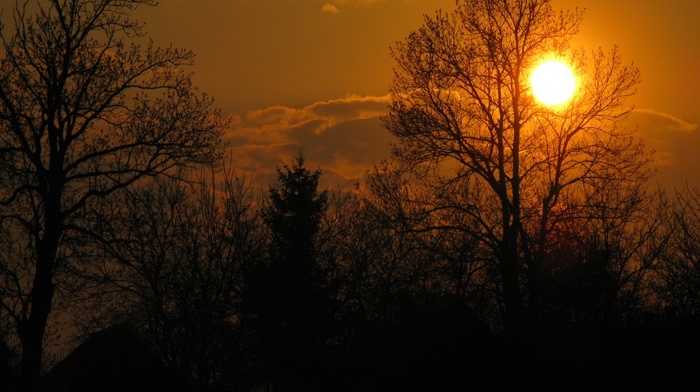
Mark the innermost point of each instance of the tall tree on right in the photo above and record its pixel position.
(470, 129)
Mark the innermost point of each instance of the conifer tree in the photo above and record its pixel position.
(288, 296)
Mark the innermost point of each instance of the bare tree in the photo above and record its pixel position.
(83, 114)
(432, 244)
(416, 254)
(467, 121)
(598, 267)
(677, 282)
(168, 261)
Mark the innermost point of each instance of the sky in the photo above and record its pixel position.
(316, 73)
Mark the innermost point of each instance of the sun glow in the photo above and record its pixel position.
(552, 82)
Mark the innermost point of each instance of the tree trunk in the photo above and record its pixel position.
(512, 298)
(31, 331)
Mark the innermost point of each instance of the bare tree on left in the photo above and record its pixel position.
(85, 111)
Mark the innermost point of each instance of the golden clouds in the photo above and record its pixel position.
(661, 132)
(342, 136)
(674, 142)
(663, 122)
(359, 2)
(333, 7)
(330, 8)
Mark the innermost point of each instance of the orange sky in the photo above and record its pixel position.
(316, 73)
(663, 40)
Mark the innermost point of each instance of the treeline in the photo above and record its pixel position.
(307, 289)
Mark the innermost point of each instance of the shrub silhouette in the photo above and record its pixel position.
(112, 360)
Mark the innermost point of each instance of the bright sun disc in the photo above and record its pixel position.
(552, 82)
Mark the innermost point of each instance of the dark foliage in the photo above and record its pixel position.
(112, 360)
(7, 373)
(440, 346)
(646, 354)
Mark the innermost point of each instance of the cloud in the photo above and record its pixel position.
(330, 8)
(660, 121)
(662, 132)
(673, 141)
(343, 137)
(359, 2)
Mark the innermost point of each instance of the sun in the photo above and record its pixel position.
(552, 82)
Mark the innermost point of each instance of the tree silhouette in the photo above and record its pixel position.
(597, 268)
(288, 297)
(470, 130)
(114, 359)
(6, 371)
(294, 215)
(83, 114)
(169, 263)
(678, 277)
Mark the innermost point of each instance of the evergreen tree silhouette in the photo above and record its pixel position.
(288, 297)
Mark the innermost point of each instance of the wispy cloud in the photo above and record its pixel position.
(359, 2)
(673, 140)
(333, 6)
(330, 8)
(663, 121)
(662, 132)
(342, 136)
